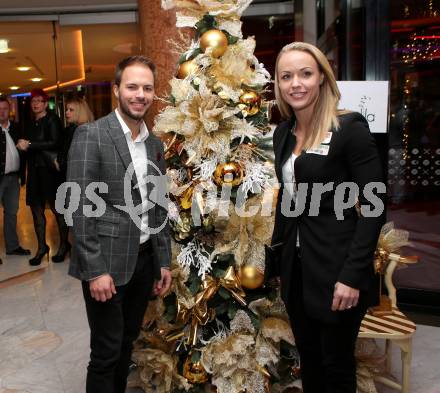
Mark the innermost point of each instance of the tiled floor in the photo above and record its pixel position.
(44, 334)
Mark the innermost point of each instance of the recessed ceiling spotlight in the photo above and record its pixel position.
(36, 79)
(23, 68)
(4, 46)
(14, 87)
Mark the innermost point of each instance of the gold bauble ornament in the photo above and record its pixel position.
(215, 39)
(250, 277)
(250, 103)
(194, 372)
(187, 68)
(229, 173)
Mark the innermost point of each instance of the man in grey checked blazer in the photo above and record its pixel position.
(120, 257)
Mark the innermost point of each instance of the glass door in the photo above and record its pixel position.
(414, 143)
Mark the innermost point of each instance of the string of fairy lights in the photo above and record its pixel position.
(422, 46)
(406, 95)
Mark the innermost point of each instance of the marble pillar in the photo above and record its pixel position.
(157, 27)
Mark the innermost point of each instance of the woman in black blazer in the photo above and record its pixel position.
(326, 248)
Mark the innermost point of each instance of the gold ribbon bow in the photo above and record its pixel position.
(200, 314)
(390, 242)
(383, 257)
(231, 282)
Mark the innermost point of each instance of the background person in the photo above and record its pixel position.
(42, 141)
(11, 174)
(326, 265)
(118, 262)
(77, 113)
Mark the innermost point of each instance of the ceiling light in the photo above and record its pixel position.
(23, 68)
(36, 79)
(4, 46)
(14, 87)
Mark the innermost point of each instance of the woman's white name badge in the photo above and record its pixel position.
(323, 147)
(328, 138)
(322, 150)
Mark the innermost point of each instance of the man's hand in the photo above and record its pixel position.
(163, 285)
(102, 288)
(57, 166)
(22, 144)
(344, 297)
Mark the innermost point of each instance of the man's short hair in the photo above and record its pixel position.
(128, 61)
(5, 99)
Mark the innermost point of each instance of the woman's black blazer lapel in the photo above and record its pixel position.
(284, 143)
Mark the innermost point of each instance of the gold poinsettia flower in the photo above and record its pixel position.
(238, 66)
(201, 116)
(233, 68)
(158, 371)
(244, 234)
(227, 12)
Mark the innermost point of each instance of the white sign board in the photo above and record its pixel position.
(370, 98)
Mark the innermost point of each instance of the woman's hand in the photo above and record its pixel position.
(57, 166)
(274, 282)
(344, 297)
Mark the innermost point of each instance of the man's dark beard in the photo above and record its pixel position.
(126, 111)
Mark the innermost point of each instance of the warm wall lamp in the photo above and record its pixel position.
(4, 46)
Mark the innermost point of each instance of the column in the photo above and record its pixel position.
(157, 27)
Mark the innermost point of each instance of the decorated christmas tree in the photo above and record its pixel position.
(221, 328)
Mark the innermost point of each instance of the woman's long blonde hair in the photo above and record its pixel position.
(83, 114)
(326, 107)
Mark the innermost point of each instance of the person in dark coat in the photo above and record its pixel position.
(325, 161)
(77, 113)
(11, 176)
(43, 139)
